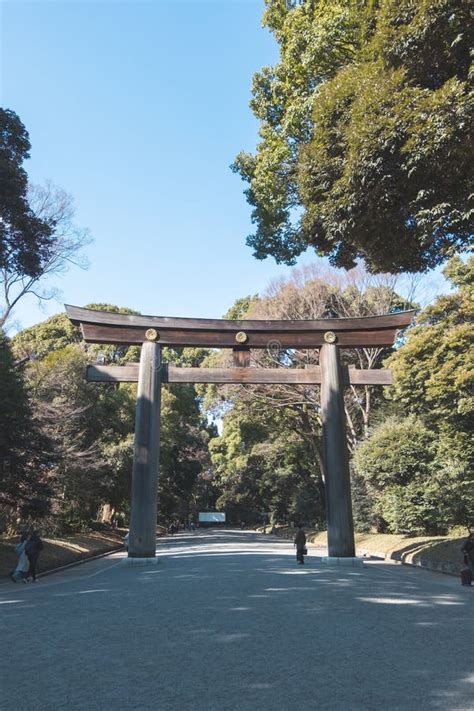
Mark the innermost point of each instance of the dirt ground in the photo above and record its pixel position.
(61, 551)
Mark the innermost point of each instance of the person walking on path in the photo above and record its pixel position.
(300, 543)
(33, 547)
(467, 549)
(23, 563)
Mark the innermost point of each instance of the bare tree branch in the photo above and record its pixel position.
(56, 207)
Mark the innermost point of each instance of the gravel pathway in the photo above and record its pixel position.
(228, 620)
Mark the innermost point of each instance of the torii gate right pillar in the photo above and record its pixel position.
(336, 461)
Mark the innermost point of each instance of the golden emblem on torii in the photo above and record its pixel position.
(130, 329)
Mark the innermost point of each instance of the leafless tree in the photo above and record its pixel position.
(316, 292)
(56, 207)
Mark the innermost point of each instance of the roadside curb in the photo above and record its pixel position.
(445, 568)
(86, 559)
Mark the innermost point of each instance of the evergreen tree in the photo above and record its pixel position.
(23, 469)
(366, 146)
(25, 240)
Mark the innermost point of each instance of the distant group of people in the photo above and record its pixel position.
(176, 526)
(28, 551)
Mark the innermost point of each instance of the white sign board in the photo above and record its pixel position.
(211, 517)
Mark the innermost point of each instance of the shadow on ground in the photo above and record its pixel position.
(228, 620)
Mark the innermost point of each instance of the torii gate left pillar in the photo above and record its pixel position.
(146, 455)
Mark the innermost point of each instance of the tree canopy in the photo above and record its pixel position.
(23, 485)
(419, 464)
(366, 146)
(25, 239)
(82, 432)
(38, 237)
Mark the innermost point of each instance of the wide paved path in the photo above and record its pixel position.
(227, 620)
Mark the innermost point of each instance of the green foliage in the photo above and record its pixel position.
(366, 137)
(23, 489)
(434, 370)
(240, 308)
(420, 469)
(67, 409)
(39, 340)
(24, 239)
(397, 452)
(262, 464)
(14, 412)
(88, 428)
(184, 455)
(397, 462)
(57, 332)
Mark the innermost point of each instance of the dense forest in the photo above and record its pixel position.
(66, 445)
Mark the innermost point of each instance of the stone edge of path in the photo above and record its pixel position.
(445, 568)
(135, 562)
(355, 562)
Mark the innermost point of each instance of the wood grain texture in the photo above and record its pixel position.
(336, 460)
(364, 323)
(241, 357)
(146, 455)
(96, 333)
(237, 375)
(244, 375)
(112, 373)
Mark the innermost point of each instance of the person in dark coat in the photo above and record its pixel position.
(467, 549)
(34, 546)
(300, 543)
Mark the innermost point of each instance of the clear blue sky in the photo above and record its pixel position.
(137, 109)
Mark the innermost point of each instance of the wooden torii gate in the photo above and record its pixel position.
(153, 332)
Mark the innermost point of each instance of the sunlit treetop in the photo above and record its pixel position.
(365, 134)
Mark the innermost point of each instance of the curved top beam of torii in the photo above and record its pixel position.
(129, 329)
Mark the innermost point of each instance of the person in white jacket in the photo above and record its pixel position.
(23, 565)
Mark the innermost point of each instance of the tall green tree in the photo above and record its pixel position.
(366, 146)
(397, 464)
(184, 455)
(25, 240)
(434, 369)
(38, 237)
(23, 483)
(419, 465)
(434, 372)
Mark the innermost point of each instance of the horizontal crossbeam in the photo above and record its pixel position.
(94, 333)
(235, 376)
(129, 329)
